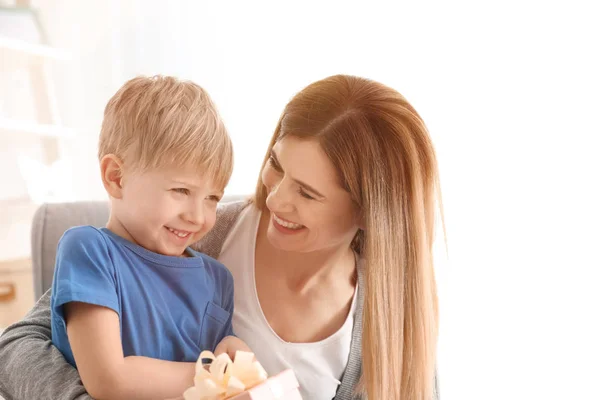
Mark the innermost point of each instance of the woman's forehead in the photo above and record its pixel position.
(306, 161)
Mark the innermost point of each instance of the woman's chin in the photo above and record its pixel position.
(284, 242)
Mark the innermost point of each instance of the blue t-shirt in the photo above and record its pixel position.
(170, 308)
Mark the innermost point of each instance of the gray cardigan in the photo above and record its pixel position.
(32, 368)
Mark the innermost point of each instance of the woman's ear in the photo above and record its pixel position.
(111, 170)
(360, 220)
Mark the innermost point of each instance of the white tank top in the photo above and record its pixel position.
(318, 366)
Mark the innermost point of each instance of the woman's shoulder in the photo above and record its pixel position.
(227, 215)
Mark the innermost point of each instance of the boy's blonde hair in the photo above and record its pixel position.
(153, 122)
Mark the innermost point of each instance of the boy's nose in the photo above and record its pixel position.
(195, 216)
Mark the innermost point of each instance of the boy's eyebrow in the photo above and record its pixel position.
(299, 182)
(184, 183)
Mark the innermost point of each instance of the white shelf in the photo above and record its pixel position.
(15, 265)
(12, 125)
(16, 216)
(17, 207)
(33, 49)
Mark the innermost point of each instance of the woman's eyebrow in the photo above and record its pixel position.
(299, 182)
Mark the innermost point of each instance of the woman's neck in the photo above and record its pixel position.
(302, 271)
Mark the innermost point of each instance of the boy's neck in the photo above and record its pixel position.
(116, 227)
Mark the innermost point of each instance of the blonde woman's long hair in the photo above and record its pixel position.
(385, 159)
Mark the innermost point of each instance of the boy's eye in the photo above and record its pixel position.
(182, 191)
(214, 198)
(305, 195)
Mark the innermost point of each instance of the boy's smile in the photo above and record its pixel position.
(178, 233)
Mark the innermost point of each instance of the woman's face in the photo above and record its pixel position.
(309, 210)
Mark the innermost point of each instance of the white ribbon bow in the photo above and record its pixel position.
(225, 378)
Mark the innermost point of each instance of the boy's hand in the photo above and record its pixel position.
(230, 345)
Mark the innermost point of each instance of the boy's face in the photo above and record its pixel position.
(165, 210)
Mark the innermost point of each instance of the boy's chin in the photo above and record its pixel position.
(181, 253)
(172, 251)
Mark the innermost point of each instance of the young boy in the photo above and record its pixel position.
(132, 305)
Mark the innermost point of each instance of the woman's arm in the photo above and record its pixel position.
(30, 366)
(95, 338)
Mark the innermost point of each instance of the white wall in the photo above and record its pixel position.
(510, 94)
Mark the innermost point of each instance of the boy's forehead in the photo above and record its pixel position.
(186, 176)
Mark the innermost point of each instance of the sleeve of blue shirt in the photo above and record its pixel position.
(84, 271)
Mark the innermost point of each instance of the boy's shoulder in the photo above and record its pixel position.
(83, 235)
(213, 264)
(83, 243)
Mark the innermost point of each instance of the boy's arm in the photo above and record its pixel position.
(30, 366)
(94, 335)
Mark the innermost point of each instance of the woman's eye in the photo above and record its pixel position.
(274, 164)
(305, 195)
(181, 191)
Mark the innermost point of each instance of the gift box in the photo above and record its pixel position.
(283, 386)
(220, 378)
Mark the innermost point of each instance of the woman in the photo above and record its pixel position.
(332, 258)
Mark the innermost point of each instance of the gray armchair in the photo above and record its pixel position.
(49, 223)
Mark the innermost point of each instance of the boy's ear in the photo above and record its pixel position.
(111, 170)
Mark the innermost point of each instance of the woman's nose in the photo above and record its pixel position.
(279, 198)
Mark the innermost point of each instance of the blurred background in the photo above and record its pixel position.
(509, 91)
